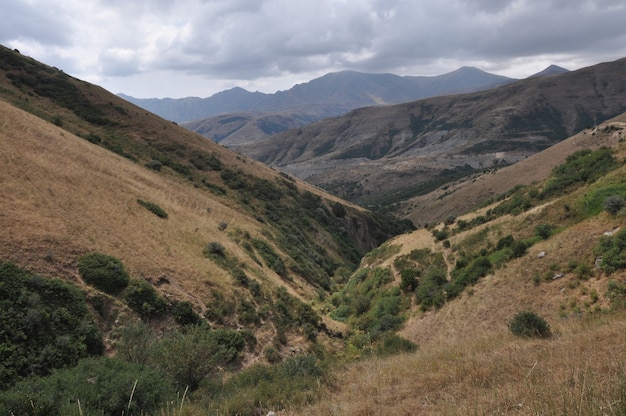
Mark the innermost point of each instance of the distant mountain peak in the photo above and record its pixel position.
(550, 70)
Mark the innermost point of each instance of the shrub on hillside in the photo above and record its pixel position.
(529, 324)
(153, 208)
(190, 357)
(102, 385)
(613, 204)
(44, 325)
(394, 344)
(103, 272)
(544, 231)
(612, 249)
(184, 314)
(144, 299)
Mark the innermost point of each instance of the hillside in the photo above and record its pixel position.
(549, 248)
(83, 169)
(380, 156)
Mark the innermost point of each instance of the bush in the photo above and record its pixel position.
(102, 385)
(529, 324)
(191, 356)
(144, 299)
(136, 344)
(103, 272)
(44, 325)
(184, 314)
(612, 250)
(154, 164)
(153, 208)
(544, 231)
(215, 248)
(613, 204)
(394, 344)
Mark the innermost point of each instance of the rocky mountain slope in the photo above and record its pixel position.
(384, 155)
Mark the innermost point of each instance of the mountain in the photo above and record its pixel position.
(381, 156)
(550, 70)
(330, 95)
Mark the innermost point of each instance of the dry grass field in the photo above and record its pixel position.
(580, 371)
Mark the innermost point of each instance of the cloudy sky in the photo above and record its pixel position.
(180, 48)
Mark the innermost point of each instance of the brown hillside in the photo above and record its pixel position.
(64, 196)
(473, 191)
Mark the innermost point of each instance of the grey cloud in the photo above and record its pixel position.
(255, 39)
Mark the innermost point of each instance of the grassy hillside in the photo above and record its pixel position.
(550, 248)
(84, 171)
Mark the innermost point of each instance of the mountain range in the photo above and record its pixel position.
(387, 155)
(330, 95)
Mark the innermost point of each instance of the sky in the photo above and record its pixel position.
(181, 48)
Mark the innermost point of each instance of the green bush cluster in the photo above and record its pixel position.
(190, 357)
(44, 325)
(95, 386)
(103, 272)
(369, 303)
(143, 298)
(583, 166)
(529, 324)
(153, 208)
(292, 382)
(612, 249)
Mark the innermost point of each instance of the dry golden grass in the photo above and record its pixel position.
(63, 196)
(579, 371)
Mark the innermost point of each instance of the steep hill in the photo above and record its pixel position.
(85, 171)
(384, 155)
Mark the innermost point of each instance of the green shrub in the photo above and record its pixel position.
(154, 165)
(103, 272)
(339, 210)
(190, 357)
(184, 314)
(612, 249)
(215, 248)
(394, 344)
(544, 231)
(613, 204)
(272, 355)
(44, 325)
(136, 344)
(583, 166)
(144, 299)
(104, 386)
(153, 208)
(529, 324)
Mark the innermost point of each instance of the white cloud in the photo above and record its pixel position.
(203, 46)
